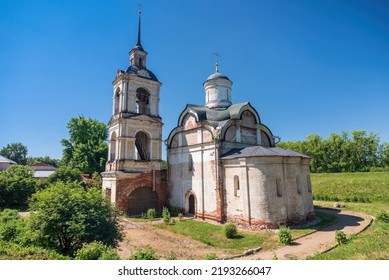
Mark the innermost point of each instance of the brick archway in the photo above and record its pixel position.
(142, 199)
(149, 187)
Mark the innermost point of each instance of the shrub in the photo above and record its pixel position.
(165, 216)
(230, 230)
(180, 216)
(383, 217)
(151, 213)
(96, 251)
(340, 237)
(10, 223)
(285, 236)
(144, 254)
(211, 256)
(14, 251)
(175, 211)
(172, 256)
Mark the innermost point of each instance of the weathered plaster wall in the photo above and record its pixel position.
(200, 179)
(260, 202)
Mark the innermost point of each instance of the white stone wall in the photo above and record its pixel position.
(259, 199)
(202, 176)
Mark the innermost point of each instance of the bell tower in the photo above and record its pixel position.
(135, 131)
(135, 128)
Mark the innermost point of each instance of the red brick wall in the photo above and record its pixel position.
(125, 187)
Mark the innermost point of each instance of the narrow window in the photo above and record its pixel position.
(236, 186)
(298, 184)
(309, 183)
(112, 147)
(190, 162)
(279, 187)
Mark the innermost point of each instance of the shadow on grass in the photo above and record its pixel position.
(238, 236)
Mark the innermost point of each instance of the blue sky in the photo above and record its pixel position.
(306, 66)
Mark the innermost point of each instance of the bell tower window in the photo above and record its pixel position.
(143, 106)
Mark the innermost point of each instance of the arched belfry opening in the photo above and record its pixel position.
(142, 96)
(142, 146)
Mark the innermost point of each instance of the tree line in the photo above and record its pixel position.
(86, 149)
(356, 152)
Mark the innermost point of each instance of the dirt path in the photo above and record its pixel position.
(163, 242)
(141, 235)
(320, 241)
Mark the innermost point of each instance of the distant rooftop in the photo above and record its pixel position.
(4, 159)
(41, 166)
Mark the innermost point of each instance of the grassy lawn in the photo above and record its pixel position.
(213, 235)
(351, 187)
(374, 242)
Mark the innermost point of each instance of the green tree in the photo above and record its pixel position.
(16, 152)
(65, 216)
(16, 185)
(342, 153)
(86, 149)
(65, 174)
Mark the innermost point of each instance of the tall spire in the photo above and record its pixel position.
(138, 43)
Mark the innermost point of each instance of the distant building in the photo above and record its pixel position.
(5, 163)
(42, 170)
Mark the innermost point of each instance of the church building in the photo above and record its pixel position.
(223, 164)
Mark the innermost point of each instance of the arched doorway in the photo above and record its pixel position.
(142, 199)
(192, 204)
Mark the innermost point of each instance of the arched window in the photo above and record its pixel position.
(112, 147)
(141, 62)
(142, 145)
(236, 186)
(142, 96)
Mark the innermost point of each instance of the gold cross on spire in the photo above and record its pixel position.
(217, 60)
